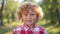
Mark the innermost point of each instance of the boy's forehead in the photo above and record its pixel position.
(29, 11)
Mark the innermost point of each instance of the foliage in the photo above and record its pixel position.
(10, 7)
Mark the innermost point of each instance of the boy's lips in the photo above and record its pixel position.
(29, 20)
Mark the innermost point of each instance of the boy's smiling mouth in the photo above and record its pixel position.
(29, 20)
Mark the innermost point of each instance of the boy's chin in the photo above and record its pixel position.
(29, 24)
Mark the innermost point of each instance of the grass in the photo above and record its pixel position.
(8, 27)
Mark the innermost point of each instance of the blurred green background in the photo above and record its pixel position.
(51, 20)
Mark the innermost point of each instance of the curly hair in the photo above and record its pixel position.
(27, 5)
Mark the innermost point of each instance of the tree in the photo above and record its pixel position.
(10, 8)
(1, 12)
(51, 9)
(58, 12)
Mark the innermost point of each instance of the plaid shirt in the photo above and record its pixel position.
(23, 29)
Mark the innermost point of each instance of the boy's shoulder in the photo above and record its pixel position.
(41, 27)
(18, 28)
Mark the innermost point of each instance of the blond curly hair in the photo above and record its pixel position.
(27, 5)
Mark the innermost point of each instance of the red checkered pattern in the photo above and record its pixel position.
(26, 30)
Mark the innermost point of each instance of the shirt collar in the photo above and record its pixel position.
(26, 27)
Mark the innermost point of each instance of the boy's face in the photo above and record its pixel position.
(30, 18)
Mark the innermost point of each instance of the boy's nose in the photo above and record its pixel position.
(29, 16)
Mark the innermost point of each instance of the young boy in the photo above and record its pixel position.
(30, 13)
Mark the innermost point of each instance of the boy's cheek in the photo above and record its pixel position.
(35, 20)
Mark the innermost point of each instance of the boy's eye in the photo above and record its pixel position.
(32, 14)
(26, 14)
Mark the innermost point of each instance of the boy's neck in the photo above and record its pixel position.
(31, 26)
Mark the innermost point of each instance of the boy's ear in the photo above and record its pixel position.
(21, 19)
(37, 18)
